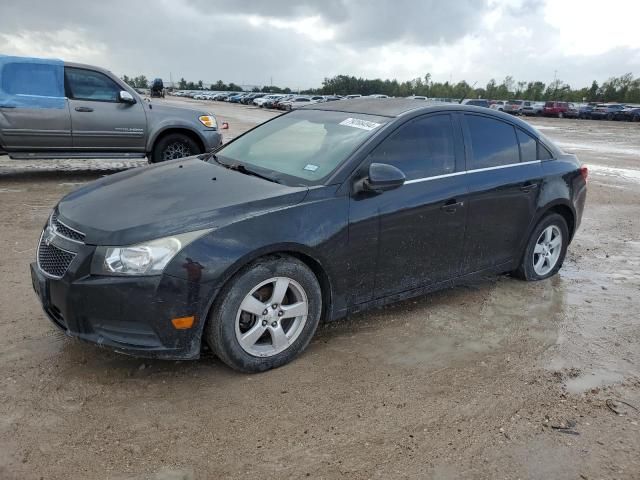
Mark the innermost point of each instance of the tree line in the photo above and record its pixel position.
(624, 89)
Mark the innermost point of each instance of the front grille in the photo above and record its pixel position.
(53, 260)
(65, 231)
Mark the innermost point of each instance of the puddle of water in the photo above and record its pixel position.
(626, 173)
(600, 148)
(594, 379)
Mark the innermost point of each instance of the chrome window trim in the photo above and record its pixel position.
(486, 169)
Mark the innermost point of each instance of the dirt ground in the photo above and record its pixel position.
(499, 380)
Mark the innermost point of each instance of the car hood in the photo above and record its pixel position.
(169, 198)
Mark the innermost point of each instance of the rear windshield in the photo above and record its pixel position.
(513, 102)
(302, 147)
(550, 104)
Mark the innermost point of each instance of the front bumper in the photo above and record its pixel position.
(211, 139)
(130, 315)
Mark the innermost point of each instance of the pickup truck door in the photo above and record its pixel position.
(99, 121)
(34, 116)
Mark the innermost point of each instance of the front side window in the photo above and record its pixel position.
(90, 85)
(420, 148)
(302, 146)
(493, 143)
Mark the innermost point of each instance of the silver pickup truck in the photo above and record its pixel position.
(55, 109)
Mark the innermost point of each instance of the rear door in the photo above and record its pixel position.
(34, 114)
(502, 190)
(416, 231)
(99, 121)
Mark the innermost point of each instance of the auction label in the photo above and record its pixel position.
(358, 123)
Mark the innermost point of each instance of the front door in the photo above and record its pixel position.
(34, 114)
(99, 121)
(416, 231)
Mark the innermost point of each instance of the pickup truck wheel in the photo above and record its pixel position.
(172, 146)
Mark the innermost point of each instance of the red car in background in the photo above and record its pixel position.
(555, 109)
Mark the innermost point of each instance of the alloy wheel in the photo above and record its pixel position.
(176, 150)
(547, 250)
(271, 317)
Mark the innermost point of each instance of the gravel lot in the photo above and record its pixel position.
(500, 379)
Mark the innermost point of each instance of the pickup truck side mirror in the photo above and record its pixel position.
(381, 178)
(126, 97)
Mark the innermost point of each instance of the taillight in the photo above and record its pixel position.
(584, 171)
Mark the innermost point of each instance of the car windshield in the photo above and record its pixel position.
(302, 147)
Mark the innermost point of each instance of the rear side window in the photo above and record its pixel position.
(41, 80)
(421, 148)
(493, 143)
(528, 147)
(90, 85)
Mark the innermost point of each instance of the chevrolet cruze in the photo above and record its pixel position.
(315, 214)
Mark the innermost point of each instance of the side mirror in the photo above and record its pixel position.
(381, 178)
(126, 97)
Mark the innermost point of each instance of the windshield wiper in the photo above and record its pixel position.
(239, 167)
(247, 171)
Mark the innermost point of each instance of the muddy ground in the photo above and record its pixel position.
(500, 380)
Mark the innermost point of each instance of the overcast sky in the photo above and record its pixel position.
(297, 44)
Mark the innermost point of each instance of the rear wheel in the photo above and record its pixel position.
(546, 249)
(610, 116)
(560, 115)
(266, 315)
(173, 146)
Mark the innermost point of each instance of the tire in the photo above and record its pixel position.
(172, 146)
(527, 269)
(610, 116)
(560, 115)
(230, 319)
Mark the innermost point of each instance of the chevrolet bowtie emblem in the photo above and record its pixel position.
(48, 236)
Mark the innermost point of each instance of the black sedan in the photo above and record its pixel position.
(325, 211)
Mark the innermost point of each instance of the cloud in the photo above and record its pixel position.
(299, 43)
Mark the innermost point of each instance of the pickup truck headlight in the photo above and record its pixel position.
(146, 258)
(208, 121)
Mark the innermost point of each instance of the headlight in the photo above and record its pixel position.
(147, 258)
(208, 121)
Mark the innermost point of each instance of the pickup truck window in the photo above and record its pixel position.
(90, 85)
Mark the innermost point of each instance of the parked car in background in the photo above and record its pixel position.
(94, 114)
(259, 102)
(476, 102)
(532, 109)
(630, 113)
(295, 103)
(573, 110)
(606, 111)
(377, 95)
(353, 95)
(417, 97)
(555, 109)
(513, 107)
(248, 99)
(585, 109)
(314, 215)
(236, 98)
(498, 105)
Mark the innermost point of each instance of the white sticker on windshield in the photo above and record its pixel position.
(358, 123)
(311, 167)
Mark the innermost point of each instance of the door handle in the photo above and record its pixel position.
(451, 206)
(84, 109)
(528, 187)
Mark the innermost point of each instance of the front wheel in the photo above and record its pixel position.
(173, 146)
(266, 315)
(546, 249)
